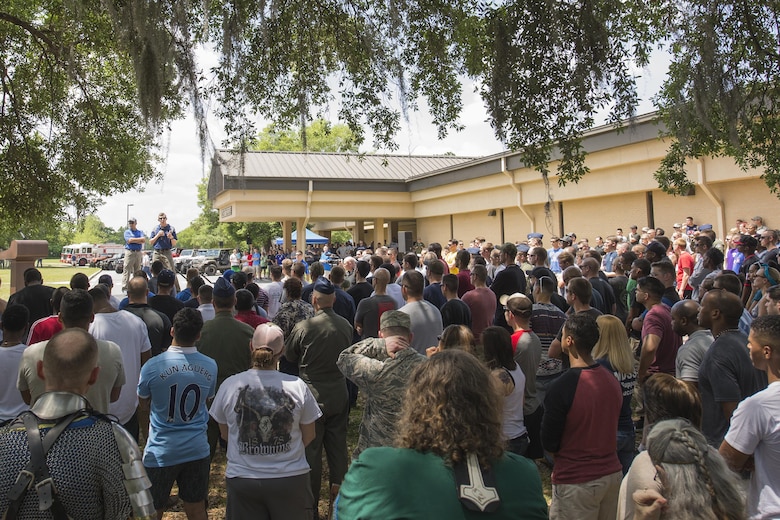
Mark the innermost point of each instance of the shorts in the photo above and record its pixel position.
(192, 478)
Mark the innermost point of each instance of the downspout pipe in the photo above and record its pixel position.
(308, 203)
(701, 181)
(519, 193)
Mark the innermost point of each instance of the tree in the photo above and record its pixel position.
(340, 237)
(722, 95)
(71, 127)
(319, 136)
(88, 85)
(91, 229)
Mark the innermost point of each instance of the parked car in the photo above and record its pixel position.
(213, 261)
(109, 263)
(184, 261)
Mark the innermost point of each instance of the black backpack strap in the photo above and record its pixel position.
(38, 470)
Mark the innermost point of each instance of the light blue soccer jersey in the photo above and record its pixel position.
(179, 381)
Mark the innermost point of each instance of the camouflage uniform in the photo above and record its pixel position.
(383, 379)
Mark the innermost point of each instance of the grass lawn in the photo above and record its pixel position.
(54, 274)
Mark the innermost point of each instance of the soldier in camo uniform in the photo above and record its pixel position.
(380, 367)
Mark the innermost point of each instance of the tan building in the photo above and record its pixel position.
(496, 197)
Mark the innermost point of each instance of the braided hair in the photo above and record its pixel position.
(698, 483)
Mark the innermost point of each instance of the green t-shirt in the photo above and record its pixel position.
(396, 483)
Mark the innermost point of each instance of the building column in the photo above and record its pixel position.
(357, 231)
(392, 232)
(286, 235)
(379, 231)
(300, 232)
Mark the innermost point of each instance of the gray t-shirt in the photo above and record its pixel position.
(528, 354)
(725, 375)
(691, 354)
(426, 324)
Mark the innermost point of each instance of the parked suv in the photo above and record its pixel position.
(109, 264)
(182, 262)
(212, 261)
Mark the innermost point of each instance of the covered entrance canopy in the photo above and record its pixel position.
(311, 238)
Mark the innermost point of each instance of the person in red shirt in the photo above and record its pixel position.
(245, 309)
(579, 428)
(685, 265)
(481, 301)
(45, 328)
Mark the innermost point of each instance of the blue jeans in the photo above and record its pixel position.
(626, 448)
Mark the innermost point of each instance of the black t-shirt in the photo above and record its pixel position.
(726, 374)
(158, 326)
(455, 312)
(508, 281)
(359, 291)
(166, 304)
(605, 291)
(37, 299)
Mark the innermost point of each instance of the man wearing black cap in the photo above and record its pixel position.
(224, 339)
(510, 280)
(315, 344)
(164, 300)
(134, 244)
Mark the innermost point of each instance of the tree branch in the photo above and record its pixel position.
(37, 33)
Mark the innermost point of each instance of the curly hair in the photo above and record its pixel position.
(435, 417)
(697, 482)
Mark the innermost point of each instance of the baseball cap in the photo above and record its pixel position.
(166, 277)
(523, 248)
(268, 335)
(535, 235)
(133, 220)
(323, 286)
(223, 288)
(106, 279)
(657, 248)
(395, 319)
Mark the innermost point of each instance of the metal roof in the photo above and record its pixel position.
(340, 166)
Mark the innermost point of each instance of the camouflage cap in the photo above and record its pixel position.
(395, 319)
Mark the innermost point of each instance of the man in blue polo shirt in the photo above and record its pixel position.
(177, 383)
(134, 244)
(163, 238)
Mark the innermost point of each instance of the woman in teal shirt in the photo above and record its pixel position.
(450, 460)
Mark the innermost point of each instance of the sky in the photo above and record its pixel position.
(176, 193)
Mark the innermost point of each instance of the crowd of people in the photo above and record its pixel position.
(642, 368)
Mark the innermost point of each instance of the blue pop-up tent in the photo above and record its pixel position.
(311, 238)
